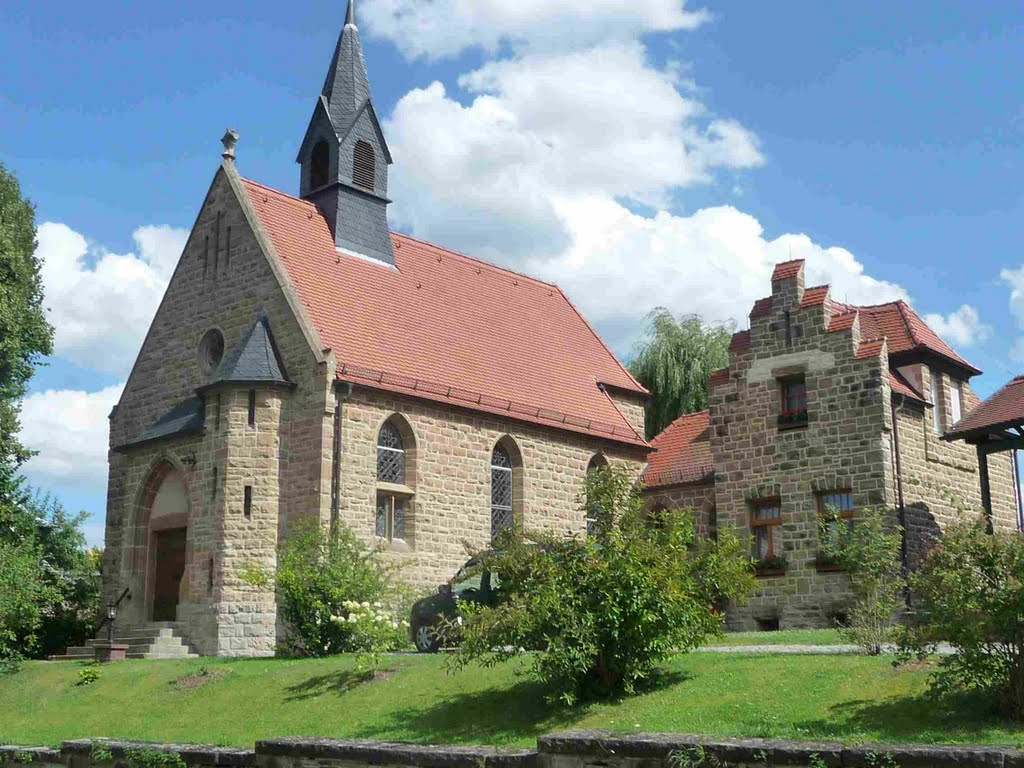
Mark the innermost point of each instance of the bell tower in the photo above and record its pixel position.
(344, 156)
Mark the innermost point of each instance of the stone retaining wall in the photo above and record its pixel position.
(576, 749)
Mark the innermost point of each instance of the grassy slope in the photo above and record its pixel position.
(849, 698)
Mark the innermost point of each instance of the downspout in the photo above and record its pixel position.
(342, 393)
(901, 511)
(1017, 488)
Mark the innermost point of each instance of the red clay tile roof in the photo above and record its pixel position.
(682, 453)
(740, 340)
(721, 376)
(449, 328)
(787, 270)
(1003, 410)
(905, 330)
(815, 297)
(762, 308)
(901, 386)
(897, 322)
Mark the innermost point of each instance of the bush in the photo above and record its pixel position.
(318, 573)
(22, 600)
(66, 575)
(969, 592)
(609, 609)
(871, 551)
(374, 630)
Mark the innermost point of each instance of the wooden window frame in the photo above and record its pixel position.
(770, 523)
(793, 419)
(845, 515)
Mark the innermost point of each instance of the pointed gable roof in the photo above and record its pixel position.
(255, 361)
(449, 328)
(682, 453)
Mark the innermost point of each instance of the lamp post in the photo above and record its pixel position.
(111, 651)
(111, 616)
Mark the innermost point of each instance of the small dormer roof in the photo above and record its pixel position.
(255, 362)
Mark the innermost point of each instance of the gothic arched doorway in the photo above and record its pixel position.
(163, 530)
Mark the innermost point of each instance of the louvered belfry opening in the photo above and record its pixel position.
(364, 165)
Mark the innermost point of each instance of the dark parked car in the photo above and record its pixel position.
(431, 613)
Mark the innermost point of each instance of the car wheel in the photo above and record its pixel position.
(426, 639)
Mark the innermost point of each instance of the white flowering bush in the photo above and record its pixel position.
(372, 629)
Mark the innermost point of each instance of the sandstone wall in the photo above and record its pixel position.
(222, 281)
(941, 481)
(452, 478)
(843, 447)
(698, 498)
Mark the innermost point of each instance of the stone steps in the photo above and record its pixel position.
(153, 640)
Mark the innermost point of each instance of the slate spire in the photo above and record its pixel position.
(347, 87)
(345, 157)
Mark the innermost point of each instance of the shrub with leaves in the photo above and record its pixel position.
(374, 629)
(318, 572)
(23, 597)
(969, 592)
(609, 609)
(870, 551)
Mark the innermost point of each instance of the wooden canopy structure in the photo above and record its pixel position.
(995, 426)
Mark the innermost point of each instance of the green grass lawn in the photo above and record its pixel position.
(785, 637)
(850, 698)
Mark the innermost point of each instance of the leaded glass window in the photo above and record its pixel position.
(391, 511)
(594, 522)
(390, 455)
(502, 494)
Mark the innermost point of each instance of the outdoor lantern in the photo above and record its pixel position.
(111, 615)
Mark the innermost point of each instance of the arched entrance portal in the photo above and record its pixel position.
(164, 529)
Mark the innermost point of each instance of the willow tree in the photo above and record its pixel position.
(674, 359)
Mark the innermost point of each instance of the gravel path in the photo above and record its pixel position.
(819, 650)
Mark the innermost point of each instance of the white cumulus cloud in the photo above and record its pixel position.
(101, 303)
(488, 175)
(436, 29)
(70, 430)
(963, 327)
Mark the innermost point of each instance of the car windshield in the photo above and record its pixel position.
(465, 583)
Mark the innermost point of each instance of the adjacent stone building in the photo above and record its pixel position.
(825, 406)
(308, 364)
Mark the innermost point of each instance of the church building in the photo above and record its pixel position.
(307, 363)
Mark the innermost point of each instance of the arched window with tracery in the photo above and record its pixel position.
(502, 491)
(594, 507)
(320, 166)
(393, 493)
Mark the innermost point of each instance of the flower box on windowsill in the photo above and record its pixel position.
(826, 564)
(798, 420)
(773, 566)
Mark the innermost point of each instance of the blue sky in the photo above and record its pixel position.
(669, 153)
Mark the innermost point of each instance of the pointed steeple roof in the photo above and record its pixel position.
(347, 87)
(255, 361)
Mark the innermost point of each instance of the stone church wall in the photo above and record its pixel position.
(452, 483)
(214, 287)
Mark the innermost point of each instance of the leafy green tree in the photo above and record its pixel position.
(673, 360)
(609, 609)
(25, 335)
(23, 597)
(67, 572)
(870, 551)
(969, 592)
